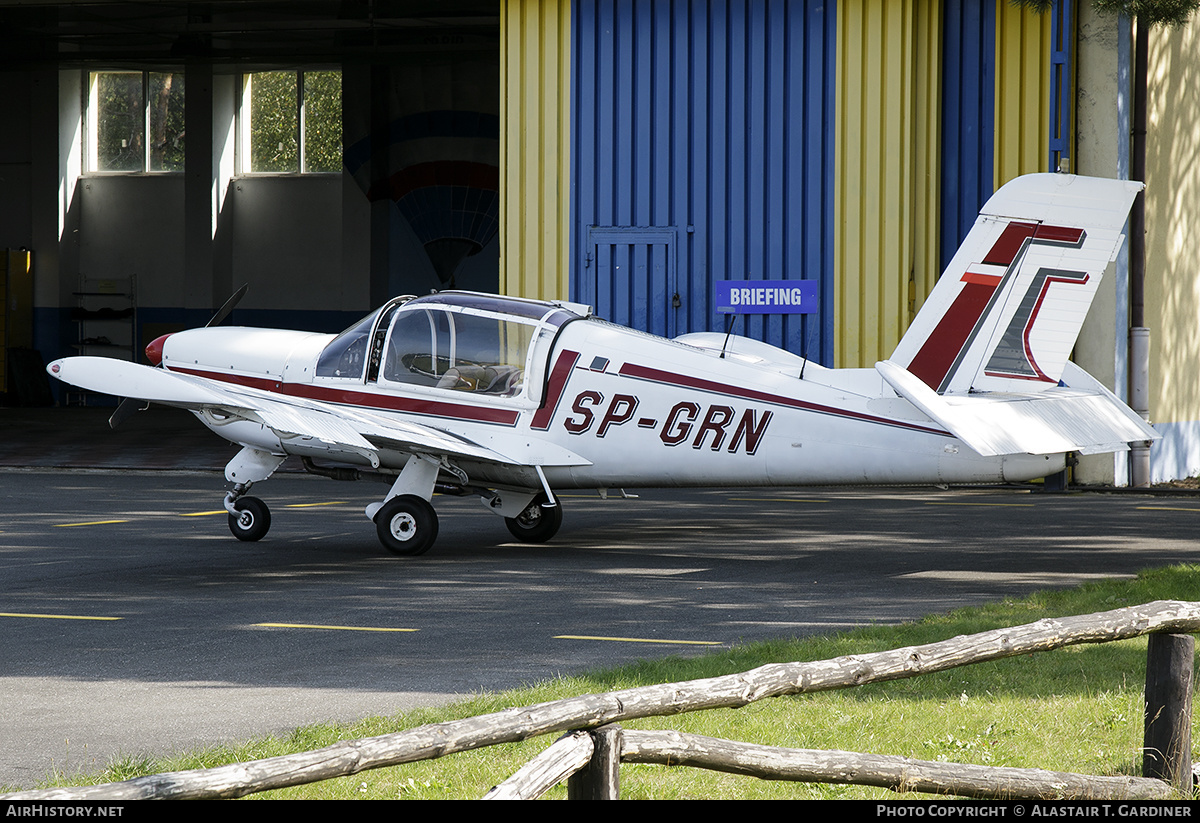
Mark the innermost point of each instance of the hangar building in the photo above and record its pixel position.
(627, 154)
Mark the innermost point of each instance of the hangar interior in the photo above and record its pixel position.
(166, 153)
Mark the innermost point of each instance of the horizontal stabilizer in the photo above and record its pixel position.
(1081, 417)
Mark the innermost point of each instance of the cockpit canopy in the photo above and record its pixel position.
(451, 350)
(459, 341)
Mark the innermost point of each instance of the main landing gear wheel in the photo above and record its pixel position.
(252, 521)
(407, 525)
(538, 523)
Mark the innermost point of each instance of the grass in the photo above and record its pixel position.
(1077, 709)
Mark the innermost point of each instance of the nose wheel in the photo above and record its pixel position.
(407, 525)
(251, 519)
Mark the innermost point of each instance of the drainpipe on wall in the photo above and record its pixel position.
(1139, 401)
(1139, 335)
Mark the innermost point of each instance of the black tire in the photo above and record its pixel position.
(537, 523)
(407, 525)
(253, 522)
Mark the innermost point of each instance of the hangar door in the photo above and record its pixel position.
(713, 123)
(629, 277)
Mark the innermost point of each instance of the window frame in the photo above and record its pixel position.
(530, 390)
(91, 109)
(244, 126)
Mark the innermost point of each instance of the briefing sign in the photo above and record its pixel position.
(766, 296)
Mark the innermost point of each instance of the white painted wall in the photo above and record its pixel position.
(133, 225)
(287, 242)
(1101, 150)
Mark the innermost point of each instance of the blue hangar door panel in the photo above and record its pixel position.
(702, 150)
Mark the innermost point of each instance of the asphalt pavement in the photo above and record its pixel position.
(134, 623)
(155, 439)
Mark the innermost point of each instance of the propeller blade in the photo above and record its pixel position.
(130, 405)
(229, 306)
(126, 409)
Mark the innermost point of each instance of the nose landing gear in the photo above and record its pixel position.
(252, 521)
(249, 517)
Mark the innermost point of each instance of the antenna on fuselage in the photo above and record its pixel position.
(728, 331)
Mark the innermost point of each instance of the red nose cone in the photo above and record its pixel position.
(154, 352)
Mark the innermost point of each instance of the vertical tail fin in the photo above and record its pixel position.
(1006, 312)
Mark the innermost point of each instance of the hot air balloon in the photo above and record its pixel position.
(443, 156)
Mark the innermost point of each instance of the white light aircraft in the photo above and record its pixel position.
(511, 399)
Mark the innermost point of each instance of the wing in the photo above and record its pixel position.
(312, 424)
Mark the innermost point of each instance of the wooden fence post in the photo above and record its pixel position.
(600, 779)
(1168, 739)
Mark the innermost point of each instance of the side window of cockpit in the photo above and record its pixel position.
(460, 352)
(418, 348)
(490, 355)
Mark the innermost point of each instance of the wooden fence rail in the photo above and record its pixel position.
(900, 774)
(728, 691)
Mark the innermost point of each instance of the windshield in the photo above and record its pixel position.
(346, 355)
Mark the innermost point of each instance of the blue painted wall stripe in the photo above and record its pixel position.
(710, 123)
(968, 116)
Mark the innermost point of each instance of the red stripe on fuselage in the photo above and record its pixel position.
(558, 382)
(371, 400)
(699, 383)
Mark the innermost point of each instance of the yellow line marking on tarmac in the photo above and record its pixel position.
(1167, 509)
(58, 616)
(334, 628)
(92, 523)
(778, 500)
(638, 640)
(288, 506)
(931, 503)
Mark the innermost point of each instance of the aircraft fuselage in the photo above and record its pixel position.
(640, 411)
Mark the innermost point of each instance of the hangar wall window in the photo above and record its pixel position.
(291, 122)
(135, 121)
